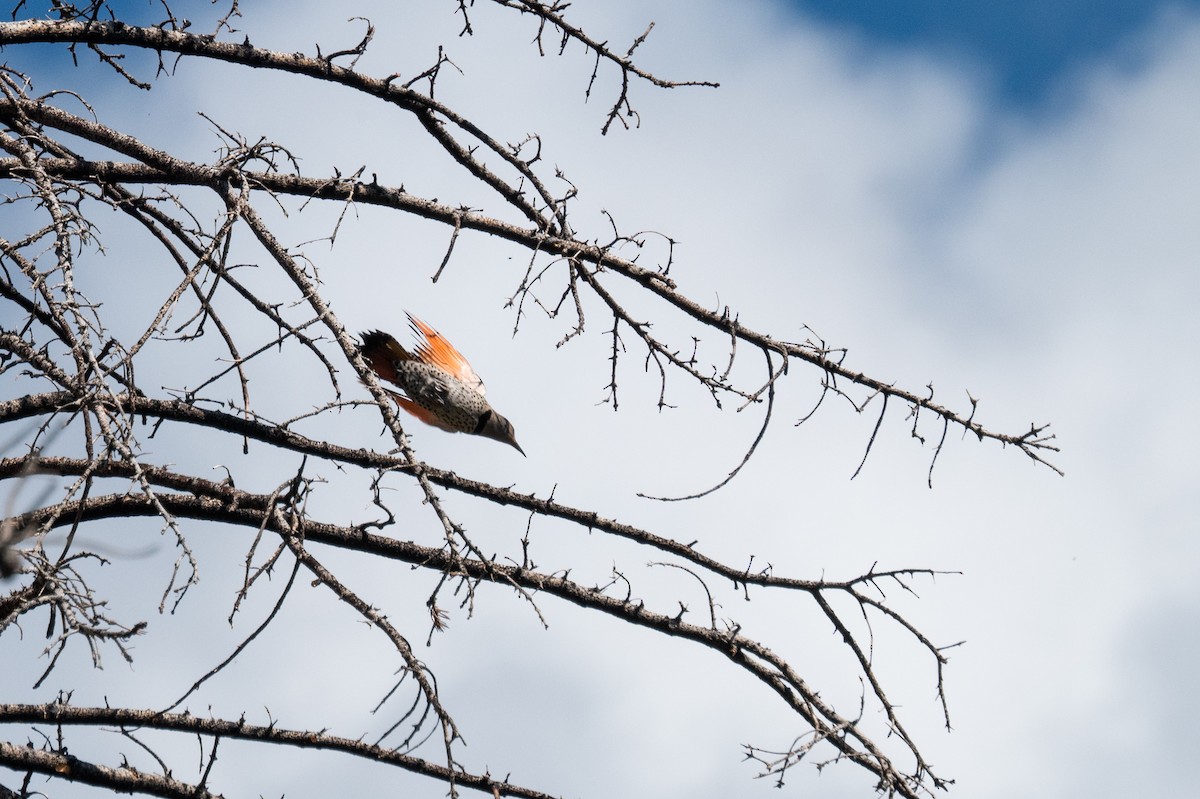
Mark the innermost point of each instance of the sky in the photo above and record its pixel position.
(1025, 47)
(1001, 202)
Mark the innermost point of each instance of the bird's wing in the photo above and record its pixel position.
(433, 349)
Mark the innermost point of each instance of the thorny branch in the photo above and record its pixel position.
(550, 16)
(1035, 443)
(84, 384)
(60, 713)
(748, 654)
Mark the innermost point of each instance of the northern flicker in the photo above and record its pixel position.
(440, 387)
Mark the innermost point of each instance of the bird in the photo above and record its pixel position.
(440, 387)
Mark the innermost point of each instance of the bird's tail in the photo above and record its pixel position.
(381, 352)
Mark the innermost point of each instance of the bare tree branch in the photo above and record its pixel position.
(97, 429)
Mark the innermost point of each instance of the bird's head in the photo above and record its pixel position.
(497, 427)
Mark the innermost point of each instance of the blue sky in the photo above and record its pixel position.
(1026, 46)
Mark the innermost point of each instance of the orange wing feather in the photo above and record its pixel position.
(433, 349)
